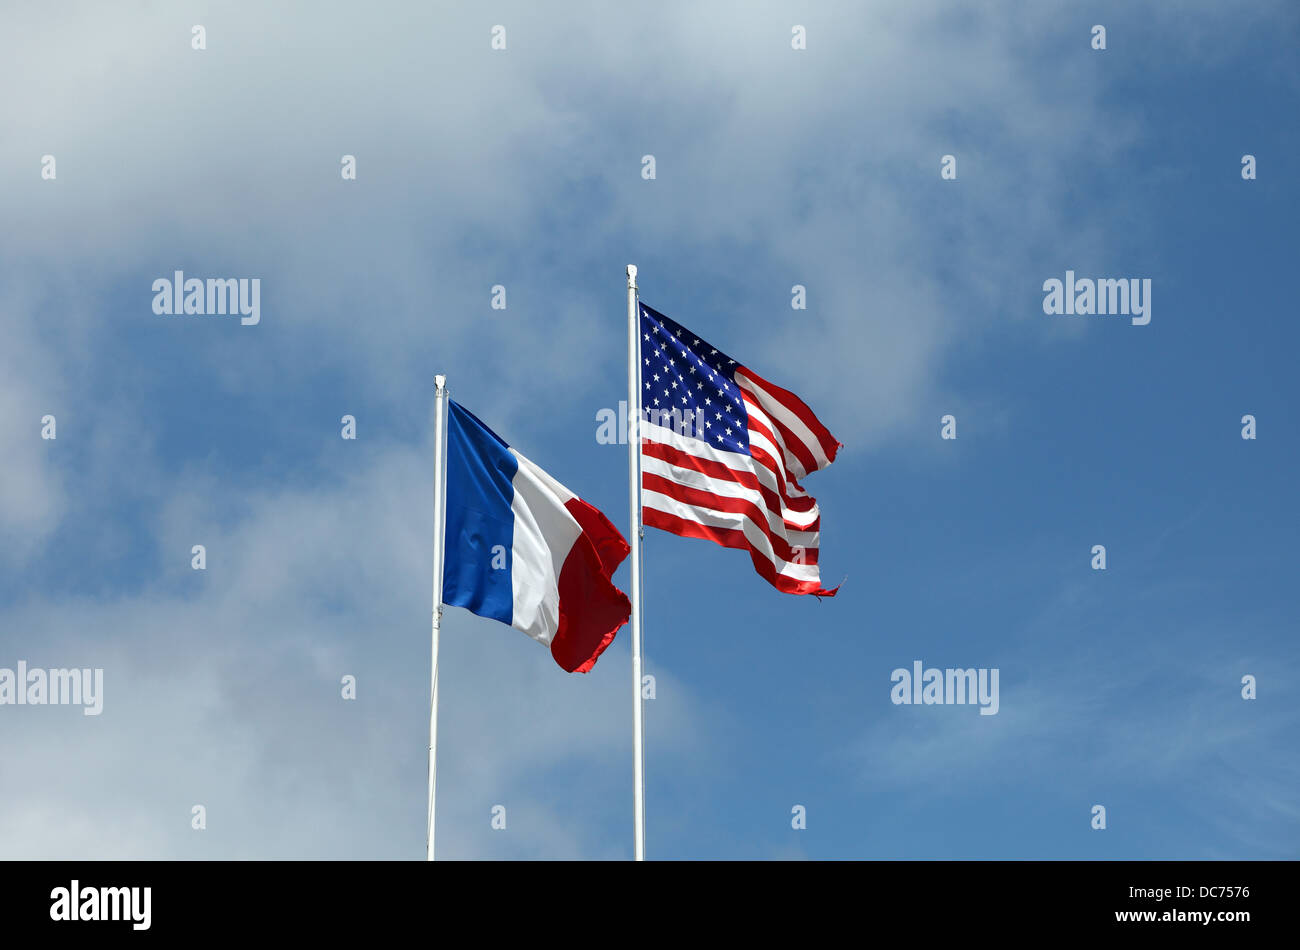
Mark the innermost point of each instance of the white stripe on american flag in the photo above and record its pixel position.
(758, 541)
(786, 539)
(788, 419)
(724, 488)
(801, 514)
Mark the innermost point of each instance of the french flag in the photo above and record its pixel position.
(523, 549)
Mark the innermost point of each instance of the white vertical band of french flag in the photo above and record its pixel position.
(523, 549)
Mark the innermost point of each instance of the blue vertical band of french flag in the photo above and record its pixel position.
(523, 549)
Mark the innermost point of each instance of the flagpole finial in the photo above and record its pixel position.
(631, 275)
(440, 381)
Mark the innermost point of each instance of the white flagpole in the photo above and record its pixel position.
(439, 530)
(634, 503)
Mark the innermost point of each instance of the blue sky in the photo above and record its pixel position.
(775, 167)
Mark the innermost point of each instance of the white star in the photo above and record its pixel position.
(674, 384)
(656, 377)
(728, 432)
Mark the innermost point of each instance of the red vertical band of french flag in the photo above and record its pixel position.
(591, 608)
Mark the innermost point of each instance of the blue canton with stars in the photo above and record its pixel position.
(680, 371)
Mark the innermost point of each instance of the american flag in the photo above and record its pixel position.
(722, 452)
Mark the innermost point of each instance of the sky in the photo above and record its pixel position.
(774, 167)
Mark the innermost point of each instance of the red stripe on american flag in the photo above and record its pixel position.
(733, 538)
(785, 440)
(827, 442)
(723, 504)
(798, 501)
(717, 470)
